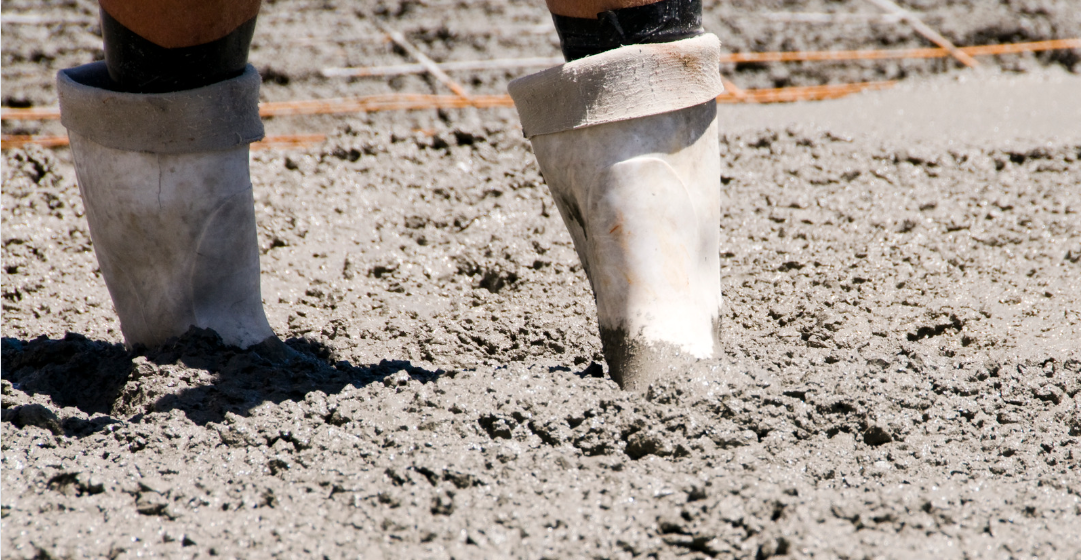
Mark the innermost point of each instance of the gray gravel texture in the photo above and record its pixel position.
(901, 378)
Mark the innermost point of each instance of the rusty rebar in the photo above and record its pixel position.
(923, 29)
(803, 93)
(397, 102)
(279, 141)
(880, 54)
(429, 64)
(413, 101)
(457, 65)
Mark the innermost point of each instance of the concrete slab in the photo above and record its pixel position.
(962, 108)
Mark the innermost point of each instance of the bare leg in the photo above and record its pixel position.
(173, 45)
(591, 27)
(590, 8)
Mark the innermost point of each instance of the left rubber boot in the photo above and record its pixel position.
(165, 182)
(627, 142)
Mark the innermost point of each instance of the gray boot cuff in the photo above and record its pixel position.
(211, 118)
(626, 83)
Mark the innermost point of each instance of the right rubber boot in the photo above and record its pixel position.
(165, 183)
(627, 142)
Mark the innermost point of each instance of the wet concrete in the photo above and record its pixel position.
(995, 109)
(900, 373)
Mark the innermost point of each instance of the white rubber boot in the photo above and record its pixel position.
(164, 179)
(627, 142)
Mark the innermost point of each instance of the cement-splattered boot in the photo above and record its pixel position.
(627, 142)
(164, 179)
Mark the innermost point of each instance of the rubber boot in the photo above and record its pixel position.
(627, 142)
(165, 182)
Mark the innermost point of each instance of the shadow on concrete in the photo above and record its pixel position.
(195, 373)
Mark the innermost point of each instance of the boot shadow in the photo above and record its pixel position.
(195, 374)
(592, 370)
